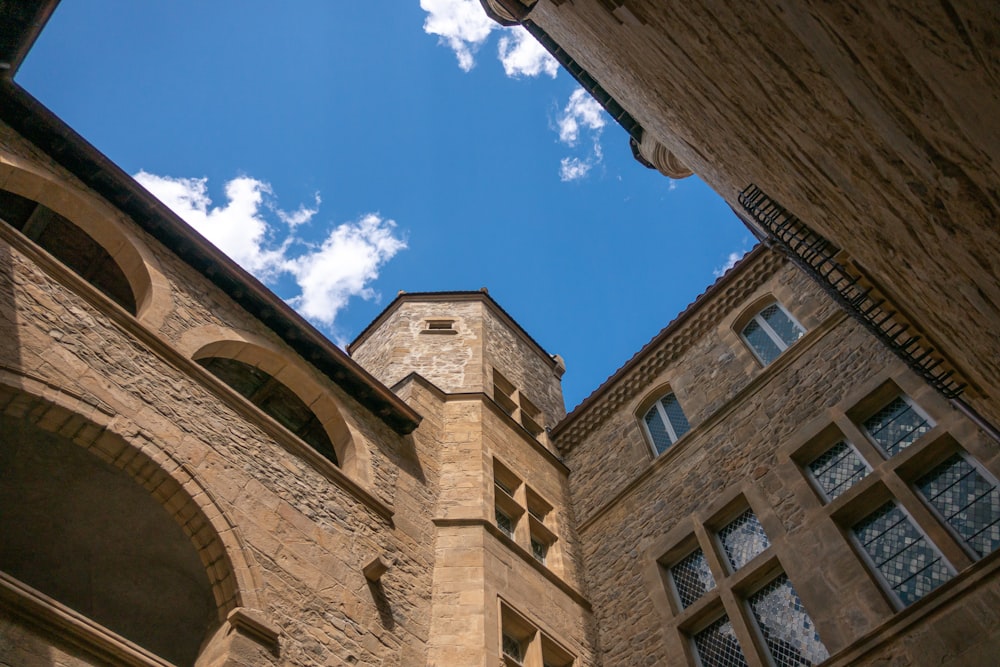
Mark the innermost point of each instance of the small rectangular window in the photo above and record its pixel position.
(838, 469)
(717, 645)
(905, 559)
(789, 632)
(692, 578)
(896, 426)
(966, 500)
(743, 539)
(504, 523)
(512, 649)
(539, 550)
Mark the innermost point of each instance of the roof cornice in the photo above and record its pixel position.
(702, 315)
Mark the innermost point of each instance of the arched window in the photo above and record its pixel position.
(70, 245)
(770, 332)
(665, 423)
(274, 398)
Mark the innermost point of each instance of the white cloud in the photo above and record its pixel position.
(348, 260)
(581, 110)
(573, 168)
(343, 266)
(582, 116)
(461, 24)
(730, 263)
(301, 215)
(522, 55)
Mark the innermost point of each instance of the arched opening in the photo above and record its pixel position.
(275, 399)
(69, 244)
(84, 533)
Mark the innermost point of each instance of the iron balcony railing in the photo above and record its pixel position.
(863, 301)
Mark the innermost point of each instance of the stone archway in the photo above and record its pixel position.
(114, 529)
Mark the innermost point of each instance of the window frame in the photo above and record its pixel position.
(669, 427)
(769, 331)
(928, 420)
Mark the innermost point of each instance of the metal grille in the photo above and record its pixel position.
(904, 557)
(896, 426)
(743, 538)
(692, 578)
(838, 469)
(816, 256)
(717, 645)
(788, 631)
(968, 502)
(761, 343)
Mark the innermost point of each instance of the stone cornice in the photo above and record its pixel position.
(694, 322)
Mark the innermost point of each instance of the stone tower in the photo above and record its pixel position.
(506, 576)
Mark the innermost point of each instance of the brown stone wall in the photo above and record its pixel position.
(705, 378)
(873, 124)
(398, 347)
(306, 533)
(635, 510)
(522, 364)
(25, 645)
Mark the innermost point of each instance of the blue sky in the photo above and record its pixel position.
(346, 151)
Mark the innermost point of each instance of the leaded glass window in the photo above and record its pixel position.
(539, 550)
(692, 578)
(770, 332)
(907, 561)
(967, 500)
(717, 645)
(665, 422)
(504, 523)
(512, 649)
(838, 469)
(896, 426)
(788, 630)
(743, 538)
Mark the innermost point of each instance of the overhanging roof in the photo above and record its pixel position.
(35, 122)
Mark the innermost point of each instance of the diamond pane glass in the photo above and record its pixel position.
(675, 415)
(743, 538)
(896, 426)
(760, 342)
(787, 330)
(657, 431)
(692, 578)
(717, 645)
(904, 557)
(788, 631)
(838, 469)
(967, 500)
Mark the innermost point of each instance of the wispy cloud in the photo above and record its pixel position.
(522, 55)
(462, 25)
(327, 274)
(582, 116)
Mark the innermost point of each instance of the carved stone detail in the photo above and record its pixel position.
(660, 157)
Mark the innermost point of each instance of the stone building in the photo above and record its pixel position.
(190, 474)
(872, 124)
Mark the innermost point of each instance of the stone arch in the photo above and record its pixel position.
(228, 564)
(213, 341)
(98, 221)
